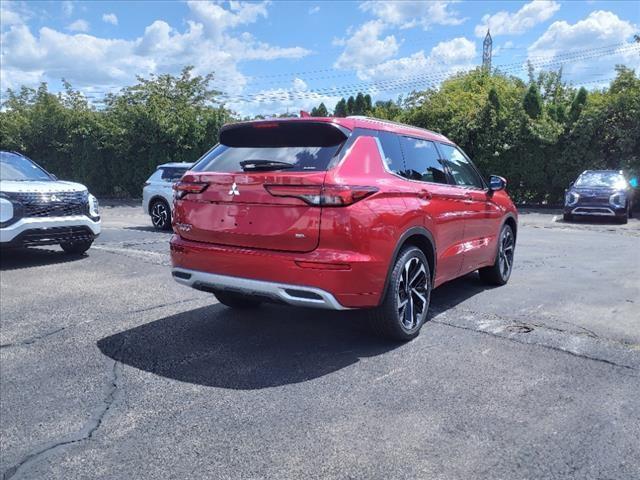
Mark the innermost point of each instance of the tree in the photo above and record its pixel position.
(341, 108)
(359, 106)
(532, 102)
(351, 105)
(113, 150)
(577, 104)
(322, 111)
(367, 103)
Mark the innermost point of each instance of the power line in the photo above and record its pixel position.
(386, 85)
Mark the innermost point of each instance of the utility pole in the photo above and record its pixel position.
(486, 52)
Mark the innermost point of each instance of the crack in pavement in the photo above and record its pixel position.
(33, 339)
(155, 258)
(85, 433)
(49, 333)
(497, 328)
(162, 305)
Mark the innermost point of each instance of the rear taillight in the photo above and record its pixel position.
(184, 188)
(327, 196)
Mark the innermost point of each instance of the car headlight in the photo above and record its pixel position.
(94, 207)
(6, 210)
(571, 198)
(618, 199)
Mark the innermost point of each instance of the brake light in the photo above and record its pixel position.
(327, 196)
(184, 188)
(265, 125)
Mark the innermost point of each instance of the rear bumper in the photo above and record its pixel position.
(279, 292)
(327, 279)
(49, 231)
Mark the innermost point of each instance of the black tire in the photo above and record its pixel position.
(567, 217)
(235, 300)
(76, 248)
(409, 282)
(500, 271)
(623, 219)
(160, 214)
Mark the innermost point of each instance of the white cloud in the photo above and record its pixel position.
(506, 23)
(216, 19)
(314, 10)
(364, 47)
(97, 64)
(599, 29)
(292, 99)
(9, 17)
(445, 58)
(78, 26)
(111, 18)
(409, 14)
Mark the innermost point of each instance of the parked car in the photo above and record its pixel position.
(157, 194)
(339, 213)
(599, 193)
(38, 209)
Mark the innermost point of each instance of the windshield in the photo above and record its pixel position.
(601, 179)
(18, 168)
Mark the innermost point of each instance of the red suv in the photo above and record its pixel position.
(339, 213)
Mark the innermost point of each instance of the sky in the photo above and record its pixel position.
(277, 56)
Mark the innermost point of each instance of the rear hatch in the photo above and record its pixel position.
(237, 206)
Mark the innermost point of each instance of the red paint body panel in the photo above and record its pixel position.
(259, 236)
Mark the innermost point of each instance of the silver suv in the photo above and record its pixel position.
(157, 194)
(38, 209)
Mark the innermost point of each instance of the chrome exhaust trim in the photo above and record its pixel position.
(296, 295)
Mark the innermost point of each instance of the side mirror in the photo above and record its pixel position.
(571, 184)
(497, 183)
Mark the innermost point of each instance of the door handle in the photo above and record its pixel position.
(424, 195)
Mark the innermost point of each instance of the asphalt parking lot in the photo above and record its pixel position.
(109, 369)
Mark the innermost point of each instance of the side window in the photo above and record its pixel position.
(392, 152)
(463, 172)
(390, 143)
(422, 161)
(172, 174)
(155, 176)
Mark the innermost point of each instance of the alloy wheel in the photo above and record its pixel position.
(413, 293)
(505, 254)
(159, 215)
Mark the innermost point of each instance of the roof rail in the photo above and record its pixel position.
(391, 122)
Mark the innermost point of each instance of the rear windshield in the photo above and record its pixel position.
(274, 146)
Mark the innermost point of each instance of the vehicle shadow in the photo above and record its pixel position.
(457, 291)
(147, 229)
(592, 220)
(18, 258)
(246, 349)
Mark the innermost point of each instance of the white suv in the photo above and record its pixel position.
(157, 194)
(38, 209)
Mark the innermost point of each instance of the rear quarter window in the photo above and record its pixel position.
(171, 174)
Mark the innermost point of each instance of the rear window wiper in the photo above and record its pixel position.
(264, 165)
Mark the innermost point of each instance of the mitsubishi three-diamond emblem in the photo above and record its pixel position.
(234, 190)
